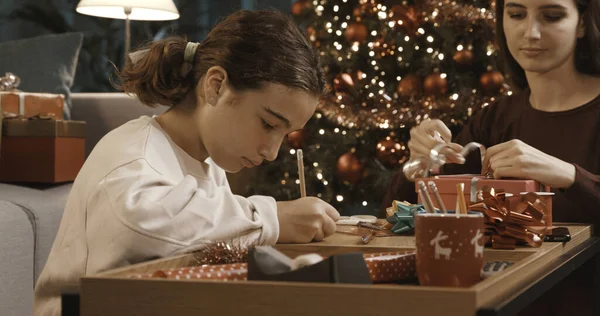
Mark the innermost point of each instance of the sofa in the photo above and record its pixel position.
(31, 214)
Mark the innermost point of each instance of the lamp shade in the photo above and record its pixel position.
(144, 10)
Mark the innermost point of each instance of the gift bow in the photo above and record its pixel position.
(524, 223)
(9, 82)
(404, 218)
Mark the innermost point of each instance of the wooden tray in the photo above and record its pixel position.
(112, 293)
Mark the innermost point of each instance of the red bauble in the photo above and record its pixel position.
(300, 7)
(349, 168)
(435, 85)
(492, 82)
(356, 32)
(390, 153)
(296, 139)
(410, 86)
(463, 58)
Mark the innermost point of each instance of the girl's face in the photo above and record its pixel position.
(542, 34)
(241, 129)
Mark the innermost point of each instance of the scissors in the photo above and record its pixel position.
(367, 221)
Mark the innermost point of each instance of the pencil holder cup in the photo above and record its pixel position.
(449, 248)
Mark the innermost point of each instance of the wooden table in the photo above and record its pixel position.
(535, 271)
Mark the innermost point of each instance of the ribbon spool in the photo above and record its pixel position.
(422, 167)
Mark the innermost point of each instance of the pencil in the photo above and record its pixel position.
(460, 190)
(301, 173)
(437, 196)
(427, 203)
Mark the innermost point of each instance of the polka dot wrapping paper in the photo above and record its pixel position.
(222, 272)
(388, 267)
(391, 266)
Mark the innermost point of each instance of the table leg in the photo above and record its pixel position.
(596, 307)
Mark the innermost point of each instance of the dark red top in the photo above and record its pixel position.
(572, 136)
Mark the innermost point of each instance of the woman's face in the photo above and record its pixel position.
(542, 34)
(241, 129)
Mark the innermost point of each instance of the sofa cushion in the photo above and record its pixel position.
(16, 260)
(46, 205)
(44, 63)
(104, 112)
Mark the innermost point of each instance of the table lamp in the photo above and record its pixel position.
(143, 10)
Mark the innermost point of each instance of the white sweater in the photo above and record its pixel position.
(139, 196)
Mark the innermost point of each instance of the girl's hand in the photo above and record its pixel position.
(305, 220)
(515, 159)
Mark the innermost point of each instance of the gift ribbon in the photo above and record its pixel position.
(422, 167)
(524, 223)
(404, 218)
(9, 82)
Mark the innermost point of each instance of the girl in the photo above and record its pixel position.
(156, 186)
(550, 130)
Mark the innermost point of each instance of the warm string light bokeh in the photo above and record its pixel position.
(390, 65)
(373, 98)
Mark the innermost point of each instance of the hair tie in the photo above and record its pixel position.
(190, 52)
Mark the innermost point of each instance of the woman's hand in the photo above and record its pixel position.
(305, 220)
(427, 135)
(515, 159)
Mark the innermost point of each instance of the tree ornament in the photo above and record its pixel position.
(435, 84)
(301, 7)
(356, 32)
(463, 58)
(491, 82)
(410, 86)
(349, 168)
(296, 139)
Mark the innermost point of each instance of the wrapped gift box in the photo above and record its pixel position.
(30, 104)
(446, 185)
(43, 151)
(386, 267)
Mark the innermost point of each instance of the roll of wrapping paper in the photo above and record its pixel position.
(422, 167)
(386, 267)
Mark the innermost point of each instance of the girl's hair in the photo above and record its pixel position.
(254, 47)
(587, 49)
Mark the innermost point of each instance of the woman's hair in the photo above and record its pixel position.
(587, 49)
(254, 47)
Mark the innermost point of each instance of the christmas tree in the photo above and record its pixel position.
(390, 65)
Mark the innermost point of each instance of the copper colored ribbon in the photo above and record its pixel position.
(525, 223)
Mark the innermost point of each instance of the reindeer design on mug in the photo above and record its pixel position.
(439, 250)
(475, 242)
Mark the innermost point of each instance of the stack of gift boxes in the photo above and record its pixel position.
(37, 145)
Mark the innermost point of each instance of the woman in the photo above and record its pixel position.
(156, 186)
(549, 130)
